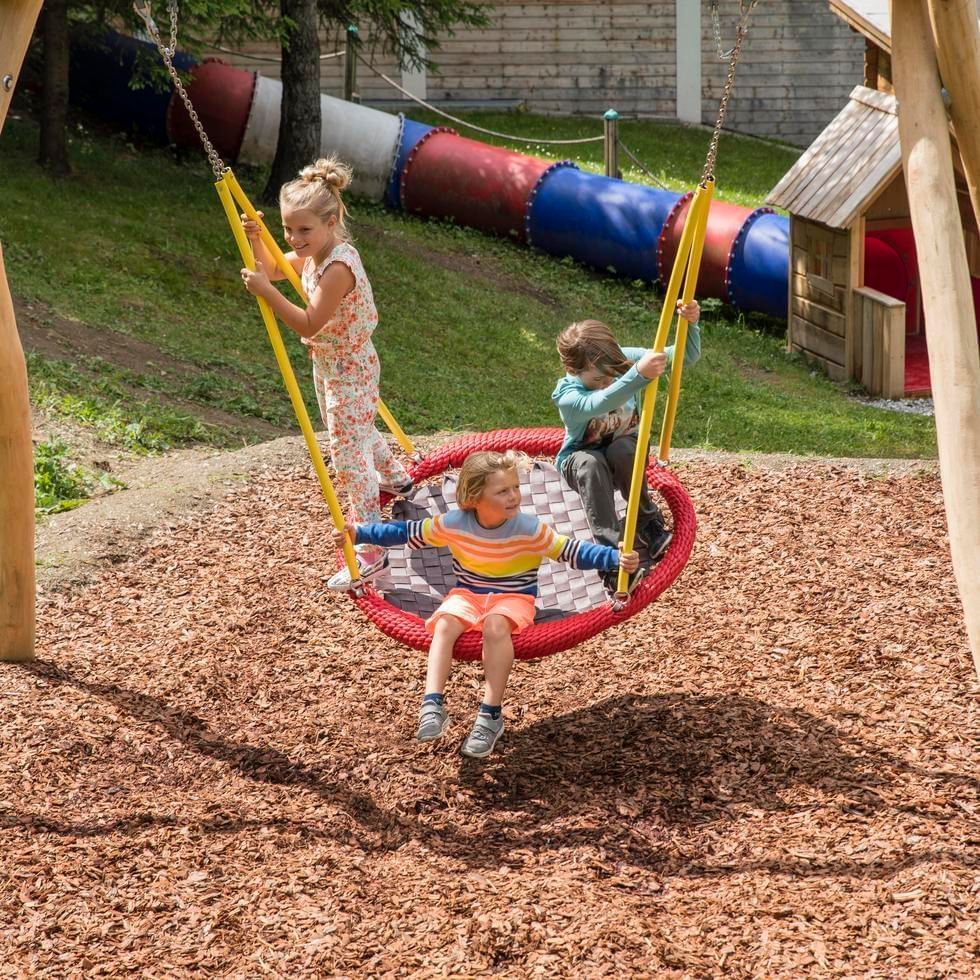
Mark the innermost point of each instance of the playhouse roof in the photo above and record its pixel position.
(871, 18)
(847, 165)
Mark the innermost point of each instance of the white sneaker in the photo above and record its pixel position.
(402, 490)
(368, 570)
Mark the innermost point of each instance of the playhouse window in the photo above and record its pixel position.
(820, 252)
(819, 256)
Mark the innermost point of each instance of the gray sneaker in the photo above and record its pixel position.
(433, 721)
(483, 736)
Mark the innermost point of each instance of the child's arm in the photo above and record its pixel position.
(391, 534)
(577, 406)
(335, 283)
(692, 349)
(262, 254)
(585, 554)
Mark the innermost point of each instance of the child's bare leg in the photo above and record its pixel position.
(448, 630)
(498, 657)
(433, 717)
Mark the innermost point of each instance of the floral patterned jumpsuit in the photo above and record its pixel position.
(346, 372)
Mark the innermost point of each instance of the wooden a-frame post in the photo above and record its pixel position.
(17, 18)
(954, 358)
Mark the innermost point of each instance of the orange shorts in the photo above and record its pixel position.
(472, 608)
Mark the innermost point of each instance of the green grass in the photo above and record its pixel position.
(138, 244)
(59, 482)
(101, 404)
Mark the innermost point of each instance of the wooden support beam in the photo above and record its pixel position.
(954, 24)
(17, 584)
(954, 359)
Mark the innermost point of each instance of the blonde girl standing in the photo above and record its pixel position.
(336, 326)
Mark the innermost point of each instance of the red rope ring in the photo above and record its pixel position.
(540, 639)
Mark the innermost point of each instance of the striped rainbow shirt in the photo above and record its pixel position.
(492, 559)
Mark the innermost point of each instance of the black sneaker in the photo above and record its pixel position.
(610, 581)
(657, 540)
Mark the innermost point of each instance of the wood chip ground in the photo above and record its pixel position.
(771, 772)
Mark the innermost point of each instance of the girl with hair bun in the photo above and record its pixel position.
(336, 326)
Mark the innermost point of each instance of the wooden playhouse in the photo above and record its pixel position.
(854, 302)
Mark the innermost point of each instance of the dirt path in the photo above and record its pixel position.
(44, 332)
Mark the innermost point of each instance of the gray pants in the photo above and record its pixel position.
(596, 474)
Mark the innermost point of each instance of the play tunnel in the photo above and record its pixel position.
(366, 139)
(408, 136)
(758, 266)
(724, 222)
(471, 183)
(605, 223)
(101, 69)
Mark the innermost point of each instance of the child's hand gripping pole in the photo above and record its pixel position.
(290, 273)
(288, 376)
(685, 269)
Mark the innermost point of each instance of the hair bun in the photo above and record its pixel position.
(332, 171)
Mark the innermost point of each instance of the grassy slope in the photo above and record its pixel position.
(138, 244)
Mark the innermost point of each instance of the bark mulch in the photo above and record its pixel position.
(771, 772)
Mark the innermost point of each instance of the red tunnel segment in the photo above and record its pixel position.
(486, 187)
(724, 222)
(222, 97)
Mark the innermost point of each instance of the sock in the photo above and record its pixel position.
(493, 710)
(439, 699)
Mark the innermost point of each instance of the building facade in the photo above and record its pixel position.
(655, 59)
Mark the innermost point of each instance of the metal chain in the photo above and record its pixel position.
(172, 10)
(144, 13)
(741, 30)
(745, 9)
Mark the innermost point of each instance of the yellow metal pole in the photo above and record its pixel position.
(650, 392)
(290, 273)
(289, 377)
(680, 335)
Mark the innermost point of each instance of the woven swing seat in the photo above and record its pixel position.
(572, 604)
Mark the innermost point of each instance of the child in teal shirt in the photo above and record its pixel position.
(599, 403)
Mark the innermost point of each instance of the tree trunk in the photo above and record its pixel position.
(17, 586)
(954, 361)
(53, 153)
(954, 23)
(299, 123)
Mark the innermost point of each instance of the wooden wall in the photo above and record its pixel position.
(819, 303)
(583, 56)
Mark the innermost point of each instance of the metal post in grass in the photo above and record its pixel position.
(17, 583)
(610, 130)
(350, 65)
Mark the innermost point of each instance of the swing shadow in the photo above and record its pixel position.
(621, 775)
(628, 772)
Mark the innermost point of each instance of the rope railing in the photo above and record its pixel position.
(267, 59)
(639, 165)
(473, 126)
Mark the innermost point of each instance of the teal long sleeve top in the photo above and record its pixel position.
(590, 415)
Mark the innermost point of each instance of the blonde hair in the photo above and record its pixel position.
(590, 343)
(478, 467)
(318, 189)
